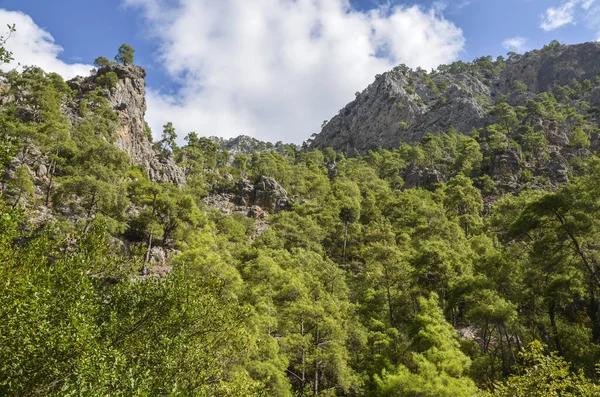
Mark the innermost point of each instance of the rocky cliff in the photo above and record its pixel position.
(128, 99)
(402, 105)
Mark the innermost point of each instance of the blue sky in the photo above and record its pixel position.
(223, 68)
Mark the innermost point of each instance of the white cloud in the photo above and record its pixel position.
(515, 44)
(465, 3)
(592, 18)
(556, 17)
(275, 69)
(566, 13)
(32, 45)
(586, 4)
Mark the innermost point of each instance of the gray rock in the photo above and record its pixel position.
(267, 194)
(42, 171)
(401, 106)
(128, 99)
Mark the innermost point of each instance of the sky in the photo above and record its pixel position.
(276, 69)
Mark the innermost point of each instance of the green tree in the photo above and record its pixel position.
(506, 116)
(125, 55)
(101, 62)
(437, 367)
(108, 80)
(469, 156)
(463, 202)
(536, 143)
(579, 138)
(5, 55)
(168, 141)
(544, 375)
(75, 322)
(21, 184)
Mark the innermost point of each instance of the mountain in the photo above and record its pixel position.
(402, 105)
(462, 260)
(478, 99)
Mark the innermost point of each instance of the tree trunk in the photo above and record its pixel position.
(51, 171)
(556, 337)
(303, 355)
(594, 314)
(316, 386)
(147, 257)
(18, 199)
(345, 242)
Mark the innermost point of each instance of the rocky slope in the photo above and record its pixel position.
(403, 105)
(128, 99)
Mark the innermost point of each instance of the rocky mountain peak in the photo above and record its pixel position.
(402, 105)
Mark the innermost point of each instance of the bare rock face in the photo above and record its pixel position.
(543, 70)
(403, 105)
(128, 99)
(422, 177)
(267, 194)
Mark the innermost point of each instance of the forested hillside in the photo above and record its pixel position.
(138, 268)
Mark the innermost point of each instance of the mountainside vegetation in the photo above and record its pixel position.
(456, 264)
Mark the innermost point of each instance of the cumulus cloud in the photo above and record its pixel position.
(567, 13)
(32, 45)
(515, 44)
(556, 17)
(275, 69)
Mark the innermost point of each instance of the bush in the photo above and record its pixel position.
(108, 80)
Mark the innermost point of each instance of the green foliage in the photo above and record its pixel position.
(101, 62)
(148, 132)
(438, 365)
(73, 323)
(544, 375)
(21, 185)
(429, 83)
(5, 55)
(125, 55)
(168, 137)
(121, 285)
(554, 45)
(108, 80)
(579, 138)
(536, 143)
(519, 87)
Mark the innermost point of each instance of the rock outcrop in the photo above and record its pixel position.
(128, 99)
(400, 107)
(267, 194)
(252, 199)
(403, 105)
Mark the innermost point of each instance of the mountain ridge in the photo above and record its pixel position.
(452, 96)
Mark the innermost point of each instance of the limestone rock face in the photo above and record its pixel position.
(403, 105)
(400, 107)
(267, 194)
(543, 70)
(128, 99)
